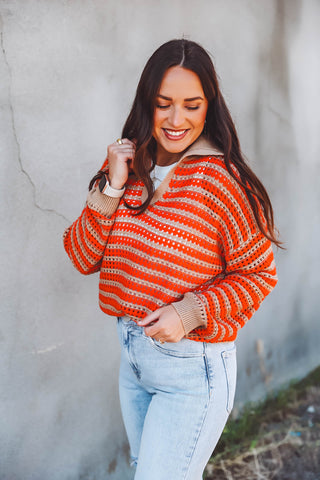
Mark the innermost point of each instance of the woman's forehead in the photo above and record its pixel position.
(181, 82)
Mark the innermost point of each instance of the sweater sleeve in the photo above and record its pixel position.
(224, 305)
(85, 240)
(220, 307)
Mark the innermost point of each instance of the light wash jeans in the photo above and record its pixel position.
(175, 400)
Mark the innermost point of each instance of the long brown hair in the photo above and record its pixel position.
(220, 129)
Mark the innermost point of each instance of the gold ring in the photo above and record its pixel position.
(119, 141)
(161, 341)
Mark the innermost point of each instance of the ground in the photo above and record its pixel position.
(278, 439)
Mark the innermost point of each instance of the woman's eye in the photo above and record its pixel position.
(163, 107)
(192, 108)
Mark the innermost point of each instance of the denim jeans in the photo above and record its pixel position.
(175, 400)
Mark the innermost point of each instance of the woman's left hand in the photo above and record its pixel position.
(163, 325)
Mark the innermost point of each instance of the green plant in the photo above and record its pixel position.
(244, 432)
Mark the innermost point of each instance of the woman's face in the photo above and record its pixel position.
(180, 111)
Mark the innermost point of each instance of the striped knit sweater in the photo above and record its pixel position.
(197, 247)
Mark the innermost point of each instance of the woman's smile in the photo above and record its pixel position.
(175, 134)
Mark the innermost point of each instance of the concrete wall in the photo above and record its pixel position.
(68, 72)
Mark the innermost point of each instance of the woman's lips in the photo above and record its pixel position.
(175, 134)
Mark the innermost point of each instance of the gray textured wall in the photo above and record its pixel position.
(68, 72)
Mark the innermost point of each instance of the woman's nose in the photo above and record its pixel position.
(176, 117)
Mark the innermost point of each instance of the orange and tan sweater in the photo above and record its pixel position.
(197, 247)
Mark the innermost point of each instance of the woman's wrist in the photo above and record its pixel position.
(115, 181)
(106, 188)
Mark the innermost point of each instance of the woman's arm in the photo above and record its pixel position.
(85, 240)
(226, 303)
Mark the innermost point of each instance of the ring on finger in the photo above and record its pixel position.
(119, 141)
(161, 341)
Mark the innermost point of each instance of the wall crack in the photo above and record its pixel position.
(16, 140)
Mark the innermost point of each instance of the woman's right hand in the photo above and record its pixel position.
(120, 162)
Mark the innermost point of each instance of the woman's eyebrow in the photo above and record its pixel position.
(192, 99)
(186, 99)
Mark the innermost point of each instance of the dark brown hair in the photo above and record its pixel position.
(220, 129)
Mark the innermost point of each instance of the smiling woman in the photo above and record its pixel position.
(180, 229)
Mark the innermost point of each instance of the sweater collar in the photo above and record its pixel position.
(201, 147)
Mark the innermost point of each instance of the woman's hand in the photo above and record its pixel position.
(120, 162)
(163, 325)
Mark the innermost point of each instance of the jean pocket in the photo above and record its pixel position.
(230, 367)
(184, 349)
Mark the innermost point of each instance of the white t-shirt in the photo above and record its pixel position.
(159, 173)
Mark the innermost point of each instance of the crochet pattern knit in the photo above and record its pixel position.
(197, 246)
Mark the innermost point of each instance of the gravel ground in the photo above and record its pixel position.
(286, 448)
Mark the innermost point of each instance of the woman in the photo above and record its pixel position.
(180, 229)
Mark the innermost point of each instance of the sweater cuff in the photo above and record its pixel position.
(102, 203)
(191, 312)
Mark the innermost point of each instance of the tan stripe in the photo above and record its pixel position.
(187, 214)
(174, 239)
(233, 322)
(264, 284)
(185, 227)
(234, 294)
(170, 279)
(196, 163)
(226, 192)
(204, 299)
(187, 201)
(203, 210)
(96, 234)
(123, 304)
(135, 292)
(180, 255)
(211, 212)
(85, 241)
(89, 244)
(230, 217)
(255, 288)
(227, 327)
(226, 301)
(199, 278)
(246, 252)
(110, 307)
(211, 179)
(136, 197)
(245, 292)
(74, 249)
(163, 187)
(205, 308)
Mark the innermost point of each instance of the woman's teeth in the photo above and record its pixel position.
(175, 133)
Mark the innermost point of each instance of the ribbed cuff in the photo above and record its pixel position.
(191, 312)
(102, 203)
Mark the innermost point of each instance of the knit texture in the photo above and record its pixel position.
(197, 247)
